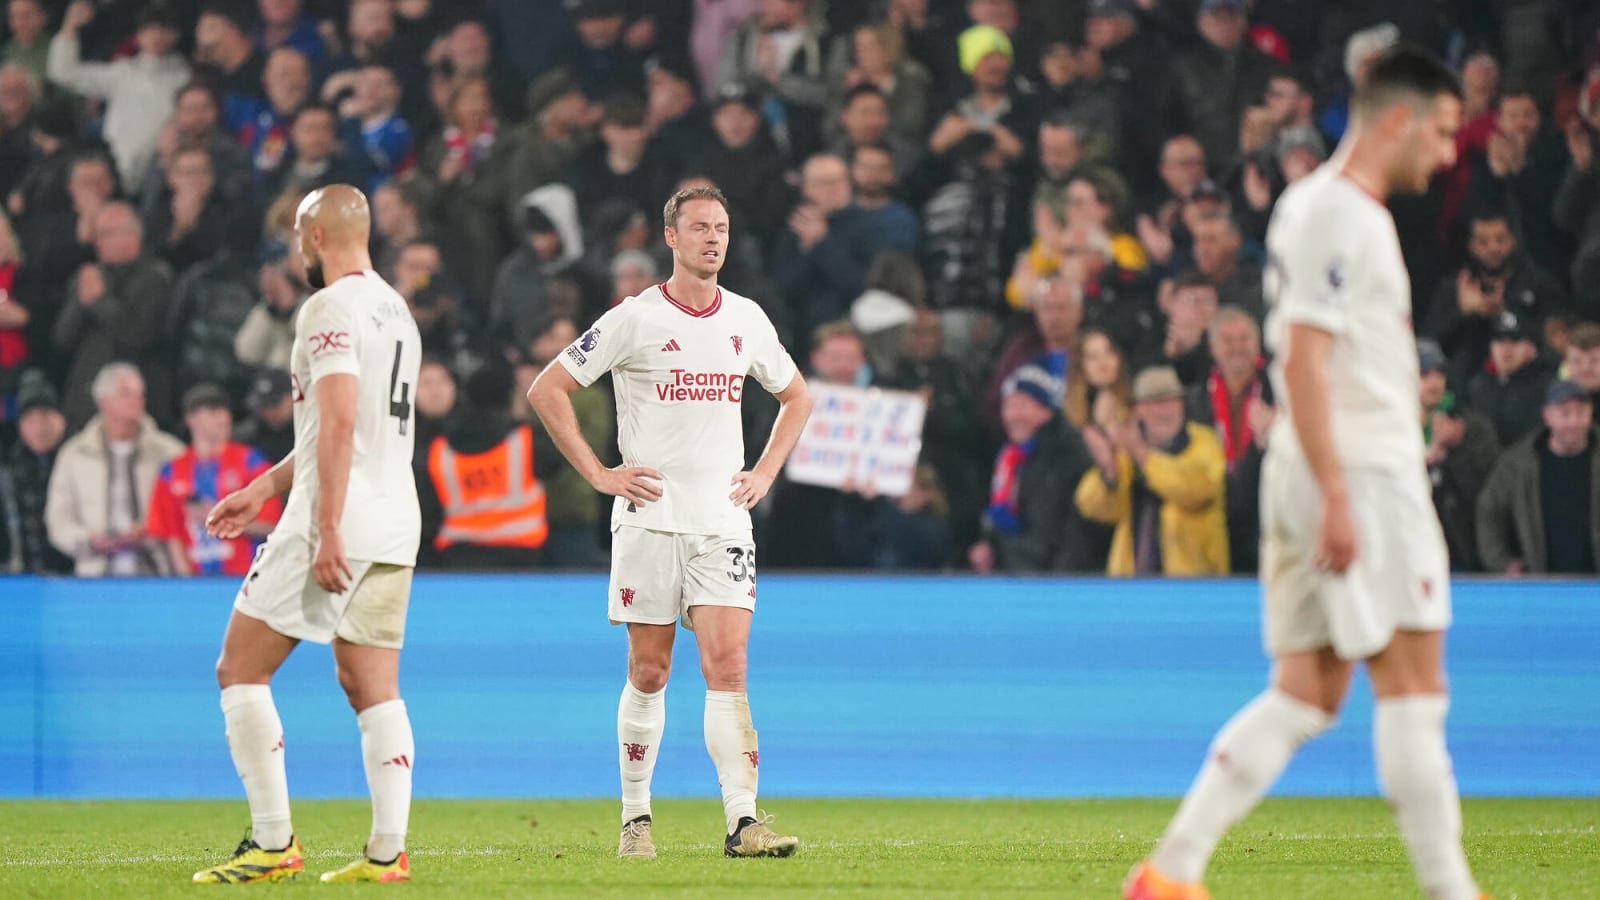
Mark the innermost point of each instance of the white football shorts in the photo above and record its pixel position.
(281, 591)
(1399, 581)
(658, 577)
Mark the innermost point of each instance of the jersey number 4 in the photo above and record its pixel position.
(401, 408)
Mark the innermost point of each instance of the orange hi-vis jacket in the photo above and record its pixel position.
(490, 499)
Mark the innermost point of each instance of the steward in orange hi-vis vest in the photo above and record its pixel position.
(489, 499)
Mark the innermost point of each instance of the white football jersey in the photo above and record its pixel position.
(360, 326)
(1334, 263)
(679, 377)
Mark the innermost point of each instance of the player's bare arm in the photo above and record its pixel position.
(1306, 379)
(794, 407)
(336, 401)
(551, 397)
(237, 512)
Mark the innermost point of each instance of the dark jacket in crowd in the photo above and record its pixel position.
(126, 324)
(753, 178)
(1531, 294)
(815, 527)
(821, 283)
(953, 441)
(24, 488)
(1054, 536)
(1137, 71)
(209, 306)
(1529, 196)
(274, 443)
(224, 225)
(1215, 88)
(1513, 404)
(1577, 210)
(1457, 482)
(1511, 511)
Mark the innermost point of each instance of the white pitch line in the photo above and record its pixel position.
(457, 852)
(897, 843)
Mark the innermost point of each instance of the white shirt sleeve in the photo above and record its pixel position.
(1313, 269)
(770, 363)
(603, 347)
(331, 338)
(66, 67)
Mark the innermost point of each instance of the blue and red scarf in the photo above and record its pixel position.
(1005, 487)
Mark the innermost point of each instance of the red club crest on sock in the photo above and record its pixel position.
(636, 752)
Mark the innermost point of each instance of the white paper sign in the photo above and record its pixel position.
(861, 437)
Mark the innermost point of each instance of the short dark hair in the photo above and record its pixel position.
(879, 146)
(316, 108)
(203, 86)
(1405, 74)
(1192, 278)
(863, 90)
(674, 206)
(624, 111)
(1488, 212)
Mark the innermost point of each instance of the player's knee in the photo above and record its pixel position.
(724, 670)
(230, 673)
(359, 691)
(648, 676)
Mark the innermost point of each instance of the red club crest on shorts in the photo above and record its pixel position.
(636, 752)
(738, 344)
(627, 596)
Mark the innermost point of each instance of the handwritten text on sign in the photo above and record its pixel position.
(860, 437)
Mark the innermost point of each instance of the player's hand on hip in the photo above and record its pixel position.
(637, 484)
(227, 520)
(749, 488)
(1336, 542)
(330, 568)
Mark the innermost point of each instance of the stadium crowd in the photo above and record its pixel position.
(1044, 216)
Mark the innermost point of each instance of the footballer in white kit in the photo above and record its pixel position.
(337, 568)
(360, 326)
(1336, 266)
(679, 379)
(679, 354)
(1354, 568)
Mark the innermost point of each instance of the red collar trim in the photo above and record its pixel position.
(709, 311)
(358, 273)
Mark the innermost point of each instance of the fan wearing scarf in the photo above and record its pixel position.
(1030, 524)
(1235, 400)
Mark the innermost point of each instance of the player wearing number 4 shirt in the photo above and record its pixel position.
(679, 354)
(337, 569)
(1354, 567)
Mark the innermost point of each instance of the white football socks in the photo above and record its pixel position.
(640, 720)
(731, 741)
(255, 739)
(1415, 774)
(1247, 756)
(388, 753)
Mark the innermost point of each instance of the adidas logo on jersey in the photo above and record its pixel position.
(671, 346)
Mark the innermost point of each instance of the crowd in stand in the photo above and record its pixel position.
(1046, 217)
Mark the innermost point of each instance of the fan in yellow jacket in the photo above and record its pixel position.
(1160, 482)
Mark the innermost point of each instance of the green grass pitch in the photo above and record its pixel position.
(1290, 848)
